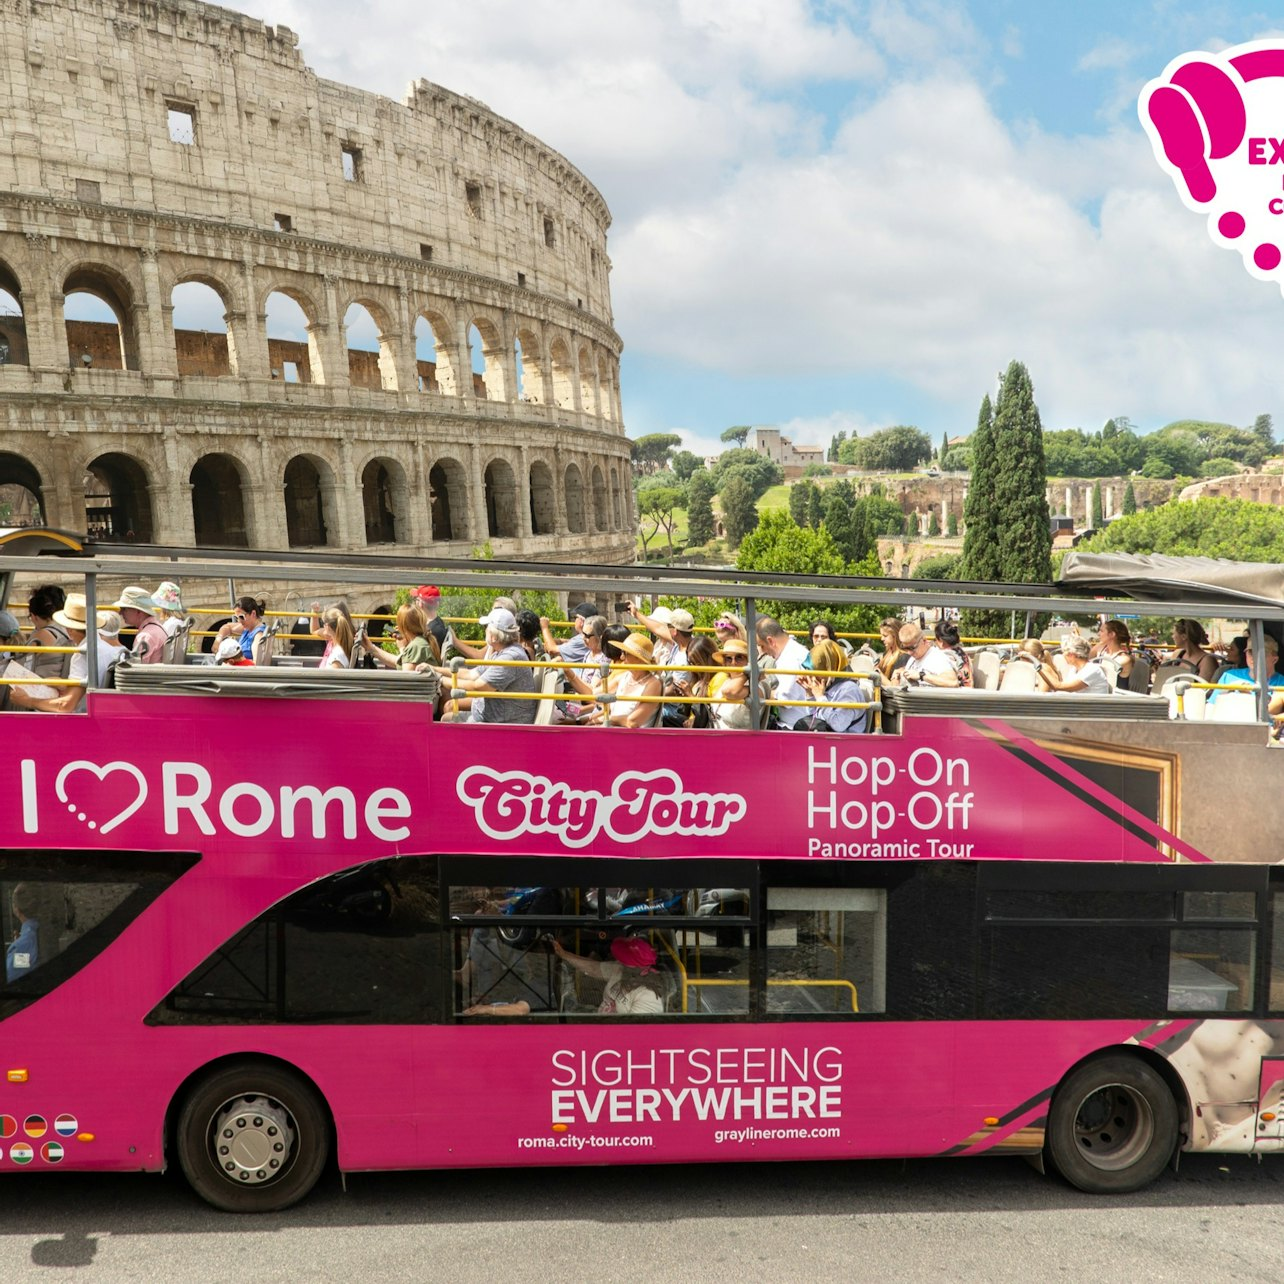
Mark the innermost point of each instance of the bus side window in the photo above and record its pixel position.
(1276, 999)
(826, 950)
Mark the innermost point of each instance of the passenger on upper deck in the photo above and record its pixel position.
(22, 955)
(926, 664)
(428, 597)
(470, 649)
(336, 628)
(893, 658)
(502, 643)
(700, 654)
(245, 625)
(531, 638)
(72, 619)
(1245, 675)
(575, 648)
(627, 991)
(42, 604)
(168, 600)
(782, 652)
(135, 606)
(729, 625)
(1087, 676)
(1191, 640)
(947, 639)
(416, 646)
(822, 631)
(729, 692)
(229, 652)
(627, 710)
(1114, 650)
(828, 655)
(10, 634)
(587, 679)
(1032, 651)
(674, 629)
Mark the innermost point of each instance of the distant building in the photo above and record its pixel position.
(780, 450)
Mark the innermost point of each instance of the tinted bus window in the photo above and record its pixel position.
(360, 947)
(61, 911)
(1211, 970)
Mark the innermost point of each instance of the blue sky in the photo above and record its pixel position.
(851, 213)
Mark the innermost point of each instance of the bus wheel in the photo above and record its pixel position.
(253, 1138)
(1112, 1126)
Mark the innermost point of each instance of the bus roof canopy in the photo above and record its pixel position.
(1157, 576)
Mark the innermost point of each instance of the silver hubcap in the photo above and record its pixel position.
(1113, 1127)
(252, 1139)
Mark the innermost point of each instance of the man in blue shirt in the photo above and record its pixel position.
(1247, 675)
(22, 955)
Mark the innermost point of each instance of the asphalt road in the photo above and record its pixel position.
(924, 1220)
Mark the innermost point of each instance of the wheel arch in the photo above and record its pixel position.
(1156, 1062)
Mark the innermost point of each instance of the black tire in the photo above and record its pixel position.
(1112, 1126)
(272, 1130)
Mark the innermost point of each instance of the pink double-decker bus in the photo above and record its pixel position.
(263, 928)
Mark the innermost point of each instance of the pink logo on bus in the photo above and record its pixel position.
(640, 804)
(78, 805)
(1216, 123)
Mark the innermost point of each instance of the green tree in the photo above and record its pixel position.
(893, 449)
(1264, 430)
(798, 495)
(980, 536)
(845, 520)
(738, 433)
(653, 452)
(685, 462)
(835, 442)
(911, 526)
(952, 523)
(818, 470)
(656, 506)
(933, 522)
(1098, 516)
(780, 545)
(1237, 529)
(700, 492)
(958, 459)
(945, 448)
(1129, 500)
(739, 508)
(815, 507)
(758, 471)
(944, 566)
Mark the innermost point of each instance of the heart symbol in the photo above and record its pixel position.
(1216, 124)
(102, 773)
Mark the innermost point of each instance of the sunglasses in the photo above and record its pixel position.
(725, 625)
(238, 617)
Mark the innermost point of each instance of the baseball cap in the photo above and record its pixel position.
(682, 620)
(427, 592)
(499, 618)
(584, 610)
(228, 649)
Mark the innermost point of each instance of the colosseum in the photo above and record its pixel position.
(242, 305)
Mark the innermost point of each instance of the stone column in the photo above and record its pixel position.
(154, 329)
(350, 507)
(1087, 506)
(1069, 502)
(577, 397)
(1108, 506)
(463, 361)
(252, 354)
(477, 503)
(559, 492)
(524, 530)
(546, 378)
(327, 351)
(42, 313)
(172, 518)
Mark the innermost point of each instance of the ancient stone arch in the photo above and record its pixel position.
(500, 485)
(118, 503)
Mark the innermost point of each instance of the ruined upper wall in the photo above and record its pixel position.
(84, 99)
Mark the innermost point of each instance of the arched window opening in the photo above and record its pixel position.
(448, 498)
(201, 340)
(22, 500)
(118, 504)
(13, 325)
(530, 377)
(519, 371)
(218, 507)
(501, 500)
(599, 500)
(382, 493)
(543, 500)
(573, 483)
(434, 362)
(98, 317)
(309, 502)
(477, 356)
(563, 376)
(588, 384)
(289, 344)
(487, 349)
(370, 357)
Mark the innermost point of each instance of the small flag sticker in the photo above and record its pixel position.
(51, 1152)
(66, 1125)
(21, 1153)
(8, 1125)
(35, 1125)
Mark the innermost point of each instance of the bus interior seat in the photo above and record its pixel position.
(1019, 676)
(1230, 705)
(985, 670)
(547, 708)
(1139, 678)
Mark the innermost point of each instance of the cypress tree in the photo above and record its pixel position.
(815, 507)
(933, 523)
(945, 445)
(798, 502)
(1098, 514)
(739, 509)
(980, 539)
(952, 523)
(699, 508)
(1129, 500)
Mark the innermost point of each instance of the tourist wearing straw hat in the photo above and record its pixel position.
(73, 619)
(627, 709)
(136, 606)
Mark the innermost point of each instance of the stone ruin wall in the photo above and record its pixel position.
(432, 208)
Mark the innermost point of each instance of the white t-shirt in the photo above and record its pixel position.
(636, 1002)
(107, 656)
(1093, 676)
(789, 688)
(337, 659)
(934, 662)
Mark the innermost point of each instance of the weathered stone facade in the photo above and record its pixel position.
(146, 145)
